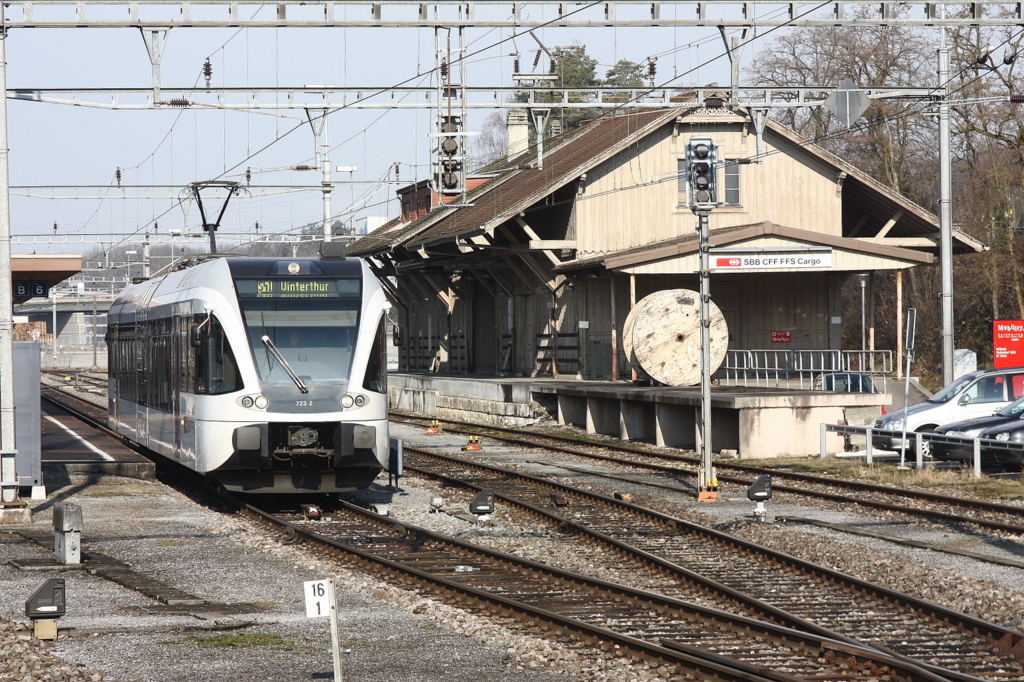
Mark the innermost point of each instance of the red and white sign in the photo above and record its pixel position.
(782, 337)
(798, 260)
(1008, 343)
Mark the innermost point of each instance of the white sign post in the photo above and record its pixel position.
(320, 603)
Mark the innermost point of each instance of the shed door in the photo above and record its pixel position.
(485, 330)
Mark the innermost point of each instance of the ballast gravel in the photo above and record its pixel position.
(393, 633)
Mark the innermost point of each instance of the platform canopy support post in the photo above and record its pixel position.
(8, 475)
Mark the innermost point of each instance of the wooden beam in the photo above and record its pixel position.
(904, 242)
(443, 291)
(860, 225)
(545, 245)
(888, 226)
(527, 259)
(519, 272)
(535, 237)
(483, 282)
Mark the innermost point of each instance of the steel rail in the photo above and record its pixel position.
(817, 645)
(667, 650)
(964, 503)
(1008, 641)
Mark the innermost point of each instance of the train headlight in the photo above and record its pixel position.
(261, 402)
(360, 400)
(247, 401)
(1003, 436)
(347, 401)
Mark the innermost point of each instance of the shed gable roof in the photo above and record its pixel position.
(517, 185)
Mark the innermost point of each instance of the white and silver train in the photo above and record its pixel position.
(270, 375)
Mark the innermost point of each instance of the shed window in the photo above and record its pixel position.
(732, 182)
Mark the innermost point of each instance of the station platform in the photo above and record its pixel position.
(747, 422)
(70, 447)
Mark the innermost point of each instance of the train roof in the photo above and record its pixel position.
(269, 267)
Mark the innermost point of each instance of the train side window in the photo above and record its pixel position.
(376, 377)
(216, 369)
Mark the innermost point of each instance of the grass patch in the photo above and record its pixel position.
(943, 481)
(248, 640)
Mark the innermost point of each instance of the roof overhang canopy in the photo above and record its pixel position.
(44, 268)
(779, 248)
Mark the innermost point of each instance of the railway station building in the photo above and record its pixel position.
(533, 274)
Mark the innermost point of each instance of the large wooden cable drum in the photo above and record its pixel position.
(661, 337)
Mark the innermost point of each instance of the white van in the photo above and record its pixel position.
(977, 394)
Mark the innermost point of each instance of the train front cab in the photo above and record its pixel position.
(321, 368)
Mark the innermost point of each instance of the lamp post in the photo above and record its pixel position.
(863, 318)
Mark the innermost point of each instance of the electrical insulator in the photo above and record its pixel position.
(652, 68)
(397, 169)
(248, 176)
(1016, 99)
(55, 227)
(257, 226)
(207, 71)
(536, 60)
(515, 62)
(552, 67)
(444, 68)
(117, 176)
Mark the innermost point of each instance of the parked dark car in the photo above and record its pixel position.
(1007, 458)
(1012, 415)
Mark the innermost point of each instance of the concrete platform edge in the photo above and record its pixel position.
(145, 471)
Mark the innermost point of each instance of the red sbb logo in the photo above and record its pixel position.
(728, 262)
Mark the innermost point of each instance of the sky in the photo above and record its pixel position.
(54, 144)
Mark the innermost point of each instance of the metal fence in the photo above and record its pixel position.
(804, 369)
(80, 357)
(916, 442)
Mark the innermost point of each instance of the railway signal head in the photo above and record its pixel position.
(760, 491)
(451, 174)
(483, 504)
(701, 156)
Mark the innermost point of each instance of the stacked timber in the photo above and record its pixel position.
(661, 337)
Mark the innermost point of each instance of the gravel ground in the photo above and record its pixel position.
(396, 634)
(986, 590)
(107, 634)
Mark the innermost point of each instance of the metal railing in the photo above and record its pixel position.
(771, 368)
(916, 446)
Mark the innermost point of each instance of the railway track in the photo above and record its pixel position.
(655, 627)
(923, 505)
(750, 578)
(696, 641)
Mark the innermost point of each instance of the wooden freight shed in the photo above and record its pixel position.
(537, 265)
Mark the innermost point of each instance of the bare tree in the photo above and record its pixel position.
(491, 144)
(895, 147)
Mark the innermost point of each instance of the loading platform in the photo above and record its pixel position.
(749, 422)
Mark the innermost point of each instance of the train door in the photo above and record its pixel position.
(177, 342)
(143, 348)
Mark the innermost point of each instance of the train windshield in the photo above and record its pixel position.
(313, 324)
